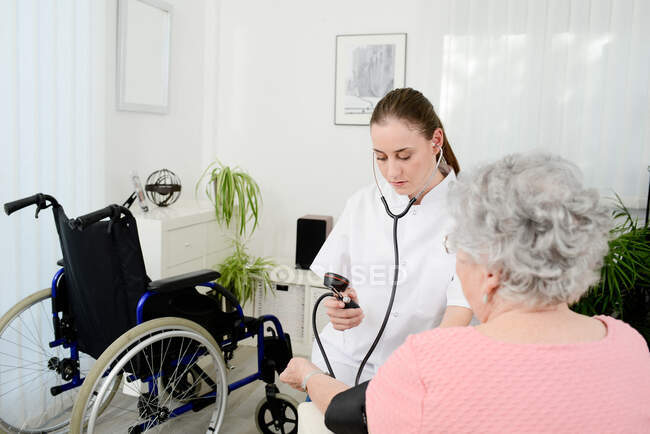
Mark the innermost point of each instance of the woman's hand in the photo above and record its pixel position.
(322, 388)
(343, 319)
(296, 371)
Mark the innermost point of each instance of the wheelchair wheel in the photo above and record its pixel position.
(29, 368)
(183, 387)
(286, 423)
(165, 366)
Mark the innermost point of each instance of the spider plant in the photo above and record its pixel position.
(623, 290)
(234, 193)
(241, 273)
(237, 200)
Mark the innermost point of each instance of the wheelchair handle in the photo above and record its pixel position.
(86, 220)
(37, 199)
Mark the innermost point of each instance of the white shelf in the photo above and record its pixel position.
(293, 304)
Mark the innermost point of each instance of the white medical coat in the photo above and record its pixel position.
(360, 247)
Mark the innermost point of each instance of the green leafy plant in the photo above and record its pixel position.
(241, 273)
(623, 290)
(234, 193)
(237, 201)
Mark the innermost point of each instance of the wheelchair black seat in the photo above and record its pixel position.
(188, 303)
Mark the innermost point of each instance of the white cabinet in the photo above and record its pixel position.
(292, 302)
(181, 238)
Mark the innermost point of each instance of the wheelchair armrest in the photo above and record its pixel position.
(174, 283)
(60, 263)
(225, 294)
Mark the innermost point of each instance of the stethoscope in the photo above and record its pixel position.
(338, 284)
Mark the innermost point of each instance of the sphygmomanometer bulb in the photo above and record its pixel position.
(338, 284)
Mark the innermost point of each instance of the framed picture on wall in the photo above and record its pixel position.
(367, 68)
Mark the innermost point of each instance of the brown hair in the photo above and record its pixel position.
(411, 106)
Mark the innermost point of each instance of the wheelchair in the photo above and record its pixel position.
(105, 349)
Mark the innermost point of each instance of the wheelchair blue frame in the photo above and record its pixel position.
(260, 336)
(152, 383)
(74, 352)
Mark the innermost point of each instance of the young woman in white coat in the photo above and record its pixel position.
(407, 138)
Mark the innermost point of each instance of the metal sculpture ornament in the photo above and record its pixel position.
(163, 187)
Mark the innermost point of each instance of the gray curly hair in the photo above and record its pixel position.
(529, 216)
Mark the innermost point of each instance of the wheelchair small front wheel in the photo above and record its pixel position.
(286, 419)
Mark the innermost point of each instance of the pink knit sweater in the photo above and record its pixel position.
(457, 380)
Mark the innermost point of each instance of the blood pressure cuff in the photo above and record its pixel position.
(346, 413)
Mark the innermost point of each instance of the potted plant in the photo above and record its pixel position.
(237, 200)
(624, 287)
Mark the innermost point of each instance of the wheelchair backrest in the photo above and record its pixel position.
(105, 277)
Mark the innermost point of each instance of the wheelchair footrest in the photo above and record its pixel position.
(268, 372)
(55, 390)
(278, 350)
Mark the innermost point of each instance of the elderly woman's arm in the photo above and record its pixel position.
(394, 397)
(320, 387)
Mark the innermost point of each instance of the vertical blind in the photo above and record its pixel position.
(566, 76)
(51, 128)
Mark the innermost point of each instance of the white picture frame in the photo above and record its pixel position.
(367, 68)
(143, 55)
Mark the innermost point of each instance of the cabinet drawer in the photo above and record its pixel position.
(218, 238)
(187, 267)
(185, 244)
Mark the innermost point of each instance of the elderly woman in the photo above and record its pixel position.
(529, 241)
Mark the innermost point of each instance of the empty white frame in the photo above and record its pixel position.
(143, 55)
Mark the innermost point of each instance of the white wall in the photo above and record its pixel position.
(275, 81)
(276, 103)
(252, 83)
(147, 142)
